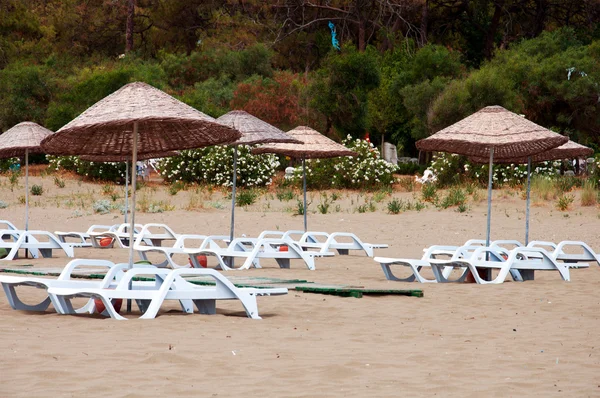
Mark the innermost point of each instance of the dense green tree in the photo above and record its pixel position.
(340, 89)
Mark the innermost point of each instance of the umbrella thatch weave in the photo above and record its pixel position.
(21, 140)
(23, 136)
(254, 130)
(314, 145)
(123, 158)
(165, 123)
(566, 151)
(512, 136)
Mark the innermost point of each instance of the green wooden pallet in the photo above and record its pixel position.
(359, 292)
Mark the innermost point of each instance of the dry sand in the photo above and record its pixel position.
(538, 338)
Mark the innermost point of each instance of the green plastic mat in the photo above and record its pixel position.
(358, 292)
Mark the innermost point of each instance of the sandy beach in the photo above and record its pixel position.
(537, 338)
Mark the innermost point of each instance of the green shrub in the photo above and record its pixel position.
(3, 204)
(245, 197)
(285, 195)
(455, 197)
(564, 202)
(8, 164)
(37, 190)
(59, 182)
(429, 192)
(589, 195)
(300, 207)
(566, 183)
(395, 206)
(102, 206)
(410, 168)
(13, 178)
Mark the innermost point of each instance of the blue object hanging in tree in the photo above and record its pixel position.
(334, 40)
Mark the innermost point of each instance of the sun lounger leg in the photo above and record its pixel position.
(390, 275)
(527, 274)
(249, 302)
(206, 307)
(142, 305)
(110, 309)
(187, 306)
(17, 304)
(516, 275)
(46, 253)
(283, 262)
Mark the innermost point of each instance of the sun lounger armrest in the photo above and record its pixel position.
(571, 243)
(271, 234)
(82, 263)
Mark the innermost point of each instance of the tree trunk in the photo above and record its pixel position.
(362, 45)
(129, 27)
(491, 33)
(424, 21)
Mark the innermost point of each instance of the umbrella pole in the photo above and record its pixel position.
(26, 195)
(304, 189)
(231, 261)
(133, 184)
(528, 200)
(489, 212)
(527, 274)
(233, 187)
(126, 189)
(487, 273)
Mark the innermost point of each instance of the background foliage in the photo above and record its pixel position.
(405, 69)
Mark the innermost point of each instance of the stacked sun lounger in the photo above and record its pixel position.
(518, 260)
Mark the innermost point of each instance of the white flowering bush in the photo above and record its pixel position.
(214, 165)
(109, 171)
(367, 170)
(450, 168)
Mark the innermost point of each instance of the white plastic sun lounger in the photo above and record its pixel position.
(82, 239)
(416, 265)
(252, 250)
(5, 224)
(120, 236)
(37, 242)
(324, 242)
(182, 246)
(171, 286)
(521, 258)
(10, 282)
(154, 234)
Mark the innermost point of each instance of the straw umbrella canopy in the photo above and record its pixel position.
(137, 118)
(314, 146)
(21, 140)
(254, 131)
(566, 151)
(493, 133)
(127, 159)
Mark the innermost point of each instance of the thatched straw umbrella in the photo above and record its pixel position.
(137, 118)
(493, 133)
(314, 146)
(254, 131)
(566, 151)
(127, 159)
(21, 140)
